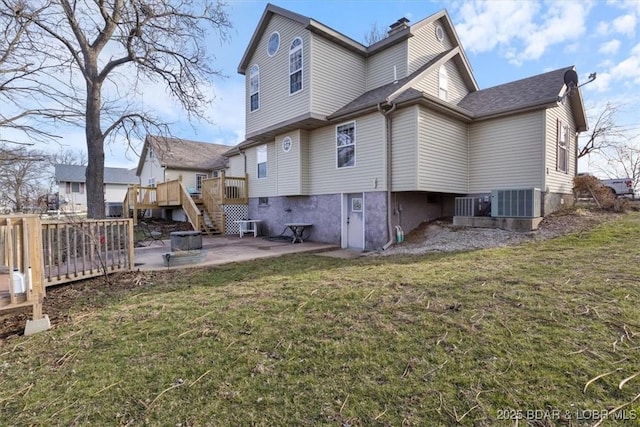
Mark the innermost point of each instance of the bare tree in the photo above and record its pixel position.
(24, 93)
(623, 161)
(68, 157)
(605, 132)
(374, 35)
(110, 50)
(21, 177)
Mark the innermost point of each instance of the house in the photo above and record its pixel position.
(357, 140)
(186, 181)
(71, 179)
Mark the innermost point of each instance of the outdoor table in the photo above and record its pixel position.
(248, 226)
(297, 229)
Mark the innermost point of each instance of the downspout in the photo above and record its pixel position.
(386, 112)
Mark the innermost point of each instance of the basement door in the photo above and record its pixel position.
(355, 221)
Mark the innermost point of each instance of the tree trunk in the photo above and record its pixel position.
(95, 154)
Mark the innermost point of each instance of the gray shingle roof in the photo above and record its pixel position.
(185, 154)
(75, 173)
(513, 96)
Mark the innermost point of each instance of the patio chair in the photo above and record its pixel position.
(148, 234)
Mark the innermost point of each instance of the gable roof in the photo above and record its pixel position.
(382, 94)
(179, 153)
(532, 92)
(76, 173)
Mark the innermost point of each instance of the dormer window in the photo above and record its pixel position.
(443, 83)
(295, 66)
(254, 90)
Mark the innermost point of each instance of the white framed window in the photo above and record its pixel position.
(295, 66)
(443, 83)
(261, 160)
(346, 145)
(254, 87)
(151, 182)
(199, 178)
(273, 44)
(75, 187)
(562, 155)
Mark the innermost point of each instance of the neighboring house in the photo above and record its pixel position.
(166, 159)
(173, 174)
(72, 190)
(358, 139)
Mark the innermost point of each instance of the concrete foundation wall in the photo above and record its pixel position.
(375, 211)
(410, 209)
(323, 211)
(552, 202)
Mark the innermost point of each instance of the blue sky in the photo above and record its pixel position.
(504, 41)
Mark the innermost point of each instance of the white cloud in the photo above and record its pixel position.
(625, 24)
(602, 29)
(609, 48)
(486, 25)
(601, 83)
(522, 31)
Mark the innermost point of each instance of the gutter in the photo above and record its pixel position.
(386, 112)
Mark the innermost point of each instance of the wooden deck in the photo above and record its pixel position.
(204, 210)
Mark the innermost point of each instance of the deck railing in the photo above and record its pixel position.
(228, 190)
(84, 249)
(21, 275)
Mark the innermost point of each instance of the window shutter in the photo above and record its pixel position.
(68, 187)
(82, 188)
(558, 137)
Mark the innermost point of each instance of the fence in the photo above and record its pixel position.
(84, 249)
(21, 276)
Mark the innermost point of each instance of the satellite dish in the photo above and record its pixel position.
(571, 79)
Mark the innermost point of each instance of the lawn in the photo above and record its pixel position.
(547, 332)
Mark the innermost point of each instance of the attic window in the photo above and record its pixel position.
(274, 43)
(439, 33)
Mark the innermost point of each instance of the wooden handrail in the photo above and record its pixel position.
(189, 207)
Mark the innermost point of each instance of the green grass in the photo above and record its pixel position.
(442, 339)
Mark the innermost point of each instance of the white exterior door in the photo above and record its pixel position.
(355, 221)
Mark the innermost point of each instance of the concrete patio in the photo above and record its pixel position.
(223, 250)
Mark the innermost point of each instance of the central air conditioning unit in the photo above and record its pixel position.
(467, 206)
(517, 203)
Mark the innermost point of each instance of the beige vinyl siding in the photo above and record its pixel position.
(506, 152)
(556, 181)
(430, 84)
(264, 187)
(404, 161)
(305, 186)
(369, 171)
(337, 76)
(424, 45)
(186, 176)
(290, 165)
(276, 104)
(380, 66)
(442, 153)
(236, 166)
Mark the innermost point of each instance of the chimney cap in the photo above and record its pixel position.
(400, 22)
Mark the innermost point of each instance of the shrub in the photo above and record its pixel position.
(590, 186)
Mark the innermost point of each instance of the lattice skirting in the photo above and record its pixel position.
(234, 213)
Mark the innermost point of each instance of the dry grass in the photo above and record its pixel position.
(543, 331)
